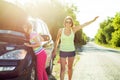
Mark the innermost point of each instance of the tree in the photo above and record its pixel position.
(116, 21)
(115, 41)
(104, 34)
(53, 13)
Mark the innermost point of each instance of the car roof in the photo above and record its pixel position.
(12, 17)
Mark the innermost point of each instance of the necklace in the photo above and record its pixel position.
(67, 31)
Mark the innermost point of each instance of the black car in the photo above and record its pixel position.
(17, 62)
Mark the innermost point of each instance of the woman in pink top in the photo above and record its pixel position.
(41, 56)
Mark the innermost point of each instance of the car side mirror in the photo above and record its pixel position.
(45, 37)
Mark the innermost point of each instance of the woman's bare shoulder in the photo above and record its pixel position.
(60, 30)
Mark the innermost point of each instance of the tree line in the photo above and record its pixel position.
(109, 31)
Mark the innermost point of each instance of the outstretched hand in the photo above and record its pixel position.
(95, 18)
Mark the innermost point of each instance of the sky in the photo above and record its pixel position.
(88, 9)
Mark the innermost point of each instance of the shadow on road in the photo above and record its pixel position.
(93, 48)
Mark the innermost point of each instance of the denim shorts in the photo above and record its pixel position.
(67, 54)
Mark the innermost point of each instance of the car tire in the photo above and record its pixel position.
(32, 73)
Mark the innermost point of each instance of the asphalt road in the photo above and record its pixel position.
(97, 63)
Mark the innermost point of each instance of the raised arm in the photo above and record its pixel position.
(85, 24)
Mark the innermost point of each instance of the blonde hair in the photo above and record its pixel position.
(68, 18)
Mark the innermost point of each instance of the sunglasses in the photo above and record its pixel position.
(68, 22)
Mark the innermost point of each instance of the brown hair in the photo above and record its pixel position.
(68, 18)
(28, 29)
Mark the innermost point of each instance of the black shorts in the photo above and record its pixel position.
(67, 54)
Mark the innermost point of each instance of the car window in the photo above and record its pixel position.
(42, 27)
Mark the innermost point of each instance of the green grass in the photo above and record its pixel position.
(56, 67)
(109, 46)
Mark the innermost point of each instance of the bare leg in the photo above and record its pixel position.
(62, 71)
(70, 65)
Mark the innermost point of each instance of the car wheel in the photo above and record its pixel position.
(49, 69)
(32, 73)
